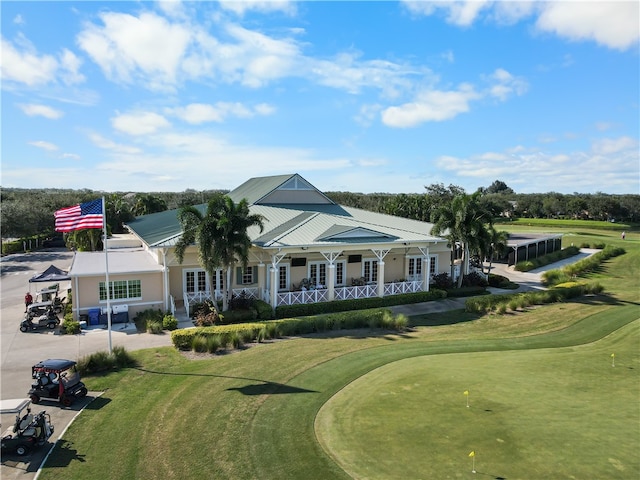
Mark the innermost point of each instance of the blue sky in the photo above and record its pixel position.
(354, 96)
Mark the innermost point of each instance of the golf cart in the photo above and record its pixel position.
(28, 431)
(44, 300)
(56, 379)
(48, 319)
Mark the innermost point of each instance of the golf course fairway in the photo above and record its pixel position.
(569, 412)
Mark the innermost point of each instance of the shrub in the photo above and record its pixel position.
(169, 322)
(239, 316)
(501, 309)
(442, 281)
(143, 318)
(207, 318)
(70, 327)
(303, 310)
(474, 279)
(213, 343)
(199, 344)
(102, 361)
(154, 326)
(261, 335)
(236, 340)
(264, 310)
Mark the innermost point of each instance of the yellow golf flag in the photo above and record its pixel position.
(466, 392)
(472, 454)
(613, 355)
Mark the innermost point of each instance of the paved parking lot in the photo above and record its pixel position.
(19, 351)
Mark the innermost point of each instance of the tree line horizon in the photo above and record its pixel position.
(26, 212)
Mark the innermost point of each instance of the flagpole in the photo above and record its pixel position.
(106, 271)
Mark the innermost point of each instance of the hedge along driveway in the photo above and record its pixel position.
(289, 449)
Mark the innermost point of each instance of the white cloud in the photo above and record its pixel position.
(612, 24)
(616, 160)
(50, 147)
(197, 113)
(608, 146)
(33, 110)
(106, 144)
(506, 85)
(72, 156)
(22, 63)
(18, 20)
(265, 6)
(162, 54)
(70, 64)
(139, 123)
(430, 106)
(26, 65)
(126, 48)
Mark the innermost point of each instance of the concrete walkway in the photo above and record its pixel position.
(527, 281)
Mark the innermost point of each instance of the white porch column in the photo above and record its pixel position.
(426, 271)
(273, 270)
(165, 279)
(331, 282)
(331, 257)
(381, 278)
(380, 254)
(262, 279)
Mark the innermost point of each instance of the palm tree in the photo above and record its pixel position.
(146, 203)
(463, 221)
(494, 242)
(221, 235)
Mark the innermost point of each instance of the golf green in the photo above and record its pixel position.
(532, 414)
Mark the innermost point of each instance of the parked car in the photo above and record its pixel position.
(56, 379)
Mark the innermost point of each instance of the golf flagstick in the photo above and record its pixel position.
(613, 359)
(466, 394)
(473, 461)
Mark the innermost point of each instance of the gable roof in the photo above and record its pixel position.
(279, 190)
(315, 222)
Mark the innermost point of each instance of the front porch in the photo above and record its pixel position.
(315, 295)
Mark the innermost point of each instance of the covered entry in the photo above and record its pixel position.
(523, 247)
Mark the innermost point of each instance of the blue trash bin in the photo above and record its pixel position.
(94, 316)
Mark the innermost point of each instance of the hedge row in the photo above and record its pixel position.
(302, 310)
(197, 338)
(589, 264)
(519, 301)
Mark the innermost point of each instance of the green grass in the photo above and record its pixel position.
(251, 414)
(531, 413)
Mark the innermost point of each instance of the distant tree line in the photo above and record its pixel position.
(28, 212)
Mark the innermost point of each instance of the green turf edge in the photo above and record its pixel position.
(293, 441)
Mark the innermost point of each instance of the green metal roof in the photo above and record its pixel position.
(256, 188)
(293, 225)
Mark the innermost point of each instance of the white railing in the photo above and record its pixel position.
(199, 297)
(397, 288)
(353, 293)
(253, 293)
(307, 296)
(344, 293)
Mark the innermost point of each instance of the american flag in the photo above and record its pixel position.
(84, 215)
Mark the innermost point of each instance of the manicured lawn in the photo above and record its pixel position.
(252, 414)
(549, 413)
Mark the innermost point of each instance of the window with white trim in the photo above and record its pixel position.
(340, 269)
(121, 290)
(415, 268)
(246, 276)
(318, 273)
(195, 281)
(283, 277)
(433, 265)
(370, 270)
